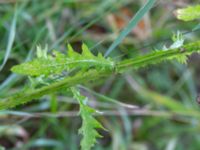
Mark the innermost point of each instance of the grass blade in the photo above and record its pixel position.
(197, 27)
(10, 39)
(133, 22)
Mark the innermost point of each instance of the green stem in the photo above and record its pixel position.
(24, 97)
(152, 58)
(158, 56)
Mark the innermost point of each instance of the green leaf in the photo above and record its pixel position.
(42, 53)
(58, 63)
(11, 38)
(89, 123)
(188, 14)
(178, 41)
(133, 22)
(197, 27)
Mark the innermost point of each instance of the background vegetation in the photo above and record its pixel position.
(158, 91)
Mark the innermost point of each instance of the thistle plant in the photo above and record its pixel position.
(78, 68)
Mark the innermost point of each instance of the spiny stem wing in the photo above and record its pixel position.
(180, 54)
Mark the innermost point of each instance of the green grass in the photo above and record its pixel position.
(167, 114)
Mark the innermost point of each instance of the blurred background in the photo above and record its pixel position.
(52, 122)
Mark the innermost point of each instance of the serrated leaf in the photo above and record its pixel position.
(188, 14)
(89, 123)
(55, 65)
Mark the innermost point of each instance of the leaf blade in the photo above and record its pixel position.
(55, 65)
(133, 22)
(189, 13)
(89, 123)
(11, 39)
